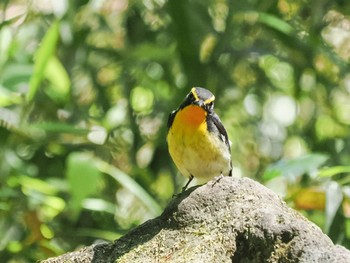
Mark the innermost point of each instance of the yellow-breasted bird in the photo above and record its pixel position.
(197, 139)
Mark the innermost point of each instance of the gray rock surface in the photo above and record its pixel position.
(226, 220)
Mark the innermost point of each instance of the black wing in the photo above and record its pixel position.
(215, 125)
(214, 119)
(171, 118)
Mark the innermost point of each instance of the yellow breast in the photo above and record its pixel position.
(193, 150)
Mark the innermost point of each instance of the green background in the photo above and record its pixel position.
(85, 92)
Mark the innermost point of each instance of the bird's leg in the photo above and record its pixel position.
(217, 179)
(189, 180)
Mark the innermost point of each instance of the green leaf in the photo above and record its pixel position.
(57, 127)
(6, 39)
(99, 205)
(292, 169)
(52, 206)
(8, 98)
(60, 82)
(347, 227)
(148, 52)
(30, 184)
(98, 233)
(130, 184)
(331, 171)
(83, 177)
(15, 74)
(276, 23)
(42, 57)
(43, 194)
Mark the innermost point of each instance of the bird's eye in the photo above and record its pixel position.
(210, 105)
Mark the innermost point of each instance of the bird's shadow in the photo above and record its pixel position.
(111, 252)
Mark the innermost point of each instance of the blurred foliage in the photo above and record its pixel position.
(86, 88)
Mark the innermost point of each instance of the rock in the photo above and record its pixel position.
(226, 220)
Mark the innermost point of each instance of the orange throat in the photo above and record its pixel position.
(192, 116)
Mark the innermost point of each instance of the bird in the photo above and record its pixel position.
(197, 140)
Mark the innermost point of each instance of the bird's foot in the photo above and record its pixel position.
(217, 179)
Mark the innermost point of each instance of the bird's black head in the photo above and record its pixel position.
(200, 97)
